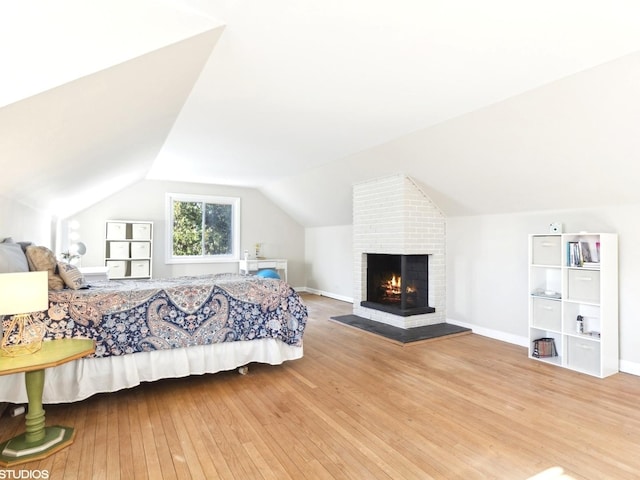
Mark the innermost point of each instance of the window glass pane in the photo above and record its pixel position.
(218, 228)
(187, 228)
(202, 228)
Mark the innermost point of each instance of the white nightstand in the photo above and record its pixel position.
(94, 274)
(254, 264)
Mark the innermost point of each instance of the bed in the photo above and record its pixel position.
(146, 330)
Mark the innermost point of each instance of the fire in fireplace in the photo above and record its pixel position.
(398, 284)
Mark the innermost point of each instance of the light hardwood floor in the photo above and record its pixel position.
(359, 407)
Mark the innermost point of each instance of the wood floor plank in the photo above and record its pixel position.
(238, 432)
(270, 414)
(208, 428)
(63, 417)
(139, 408)
(135, 457)
(167, 434)
(259, 448)
(196, 457)
(87, 443)
(356, 406)
(117, 443)
(284, 432)
(100, 460)
(72, 464)
(161, 437)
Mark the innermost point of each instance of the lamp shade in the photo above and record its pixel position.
(23, 292)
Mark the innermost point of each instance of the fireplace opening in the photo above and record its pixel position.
(398, 284)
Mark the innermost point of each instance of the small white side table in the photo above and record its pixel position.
(255, 264)
(94, 274)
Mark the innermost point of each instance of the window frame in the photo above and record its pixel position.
(212, 199)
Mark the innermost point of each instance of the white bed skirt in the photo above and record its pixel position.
(82, 378)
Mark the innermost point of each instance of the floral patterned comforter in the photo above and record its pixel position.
(130, 316)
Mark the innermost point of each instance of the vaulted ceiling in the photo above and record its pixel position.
(492, 106)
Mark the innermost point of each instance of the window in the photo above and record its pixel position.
(202, 228)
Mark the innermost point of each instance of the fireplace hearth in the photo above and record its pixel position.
(398, 284)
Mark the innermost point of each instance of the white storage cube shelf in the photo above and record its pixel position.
(560, 290)
(128, 249)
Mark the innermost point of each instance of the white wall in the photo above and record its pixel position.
(23, 223)
(329, 261)
(261, 221)
(487, 270)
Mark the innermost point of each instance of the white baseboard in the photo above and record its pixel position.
(322, 293)
(630, 367)
(496, 334)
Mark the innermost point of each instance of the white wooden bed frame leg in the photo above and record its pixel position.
(243, 370)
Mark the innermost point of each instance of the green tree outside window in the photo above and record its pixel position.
(203, 228)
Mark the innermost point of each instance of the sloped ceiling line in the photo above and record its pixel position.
(86, 139)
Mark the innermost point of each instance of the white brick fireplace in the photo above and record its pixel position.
(392, 215)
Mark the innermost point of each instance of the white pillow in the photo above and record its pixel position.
(71, 275)
(12, 258)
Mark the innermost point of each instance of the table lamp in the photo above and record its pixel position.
(21, 294)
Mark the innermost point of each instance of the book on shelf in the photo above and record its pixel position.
(544, 347)
(585, 252)
(579, 255)
(574, 254)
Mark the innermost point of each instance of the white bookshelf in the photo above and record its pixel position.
(561, 290)
(128, 248)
